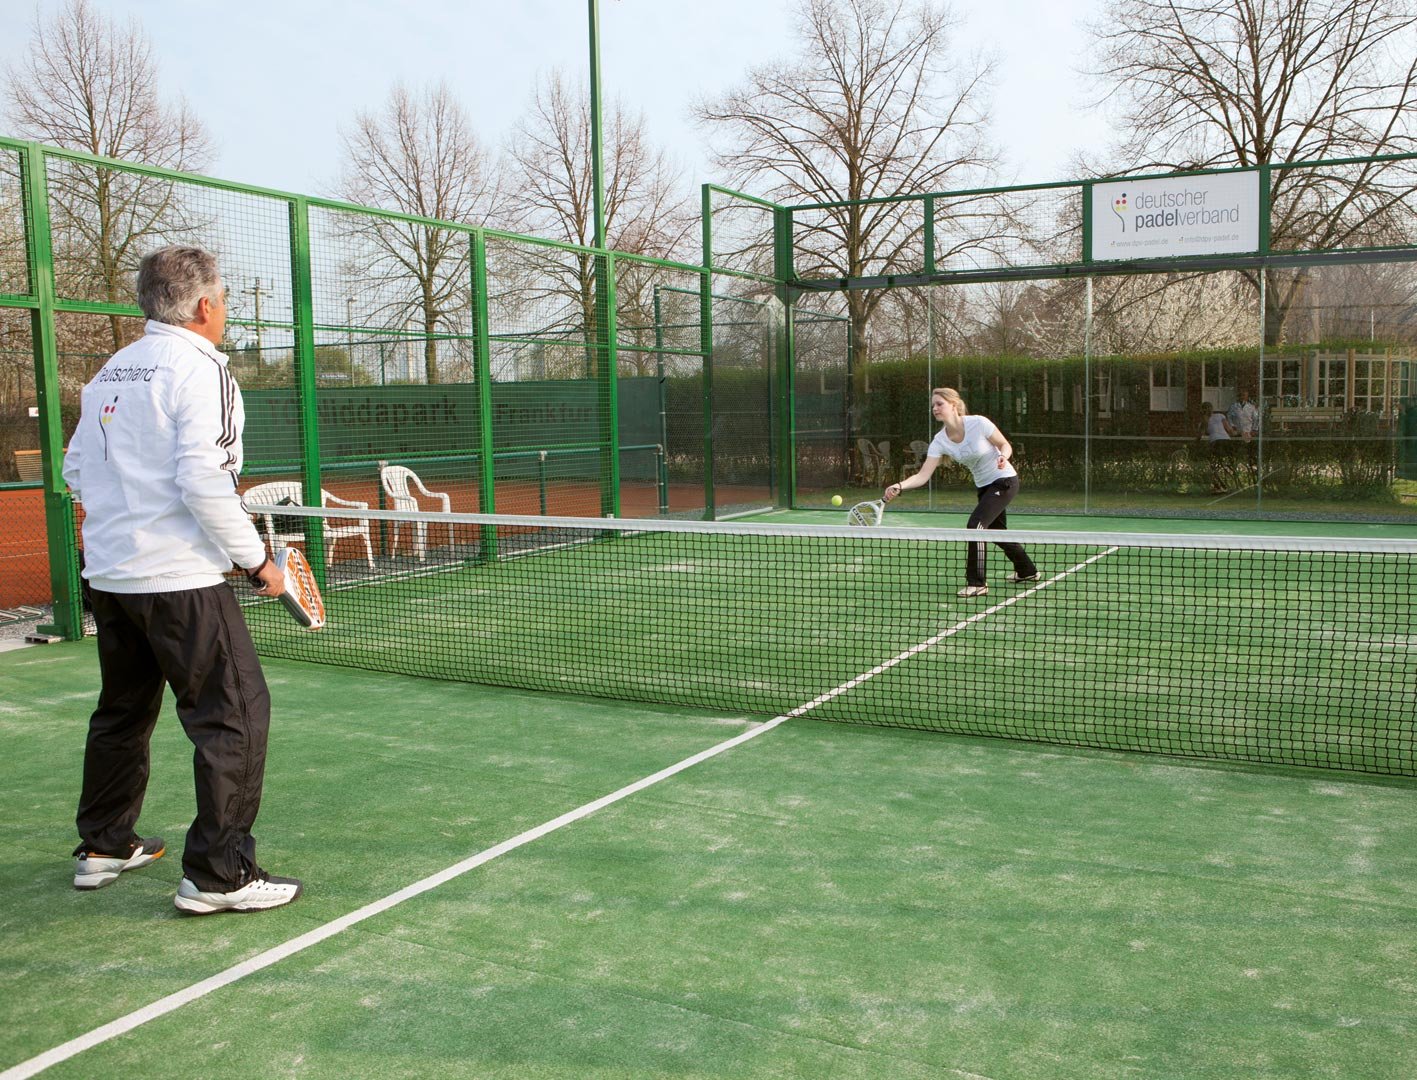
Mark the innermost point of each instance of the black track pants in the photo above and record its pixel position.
(989, 514)
(195, 641)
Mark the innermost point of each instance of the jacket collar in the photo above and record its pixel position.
(153, 327)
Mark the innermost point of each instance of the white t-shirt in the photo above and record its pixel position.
(976, 453)
(1215, 427)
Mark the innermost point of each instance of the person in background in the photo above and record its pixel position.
(154, 461)
(981, 448)
(1244, 416)
(1219, 431)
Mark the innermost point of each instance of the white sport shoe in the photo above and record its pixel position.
(94, 871)
(261, 892)
(973, 590)
(1015, 578)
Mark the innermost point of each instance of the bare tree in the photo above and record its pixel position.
(646, 210)
(1376, 302)
(1215, 83)
(417, 155)
(870, 107)
(89, 84)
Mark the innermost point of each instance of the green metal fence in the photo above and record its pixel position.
(520, 374)
(510, 373)
(1101, 362)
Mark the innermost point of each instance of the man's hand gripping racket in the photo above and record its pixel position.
(287, 575)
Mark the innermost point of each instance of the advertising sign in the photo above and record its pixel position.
(1176, 216)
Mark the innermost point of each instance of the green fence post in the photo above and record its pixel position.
(1265, 225)
(661, 462)
(59, 519)
(706, 345)
(929, 234)
(302, 294)
(608, 333)
(482, 365)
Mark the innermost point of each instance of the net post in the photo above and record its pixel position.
(302, 294)
(59, 515)
(661, 460)
(607, 333)
(541, 479)
(786, 348)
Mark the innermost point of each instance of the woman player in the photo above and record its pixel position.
(981, 448)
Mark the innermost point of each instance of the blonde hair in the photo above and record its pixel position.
(952, 396)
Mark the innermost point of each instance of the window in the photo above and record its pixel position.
(1218, 383)
(1279, 381)
(1102, 397)
(1331, 382)
(1168, 387)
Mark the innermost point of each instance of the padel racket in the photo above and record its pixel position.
(302, 594)
(866, 513)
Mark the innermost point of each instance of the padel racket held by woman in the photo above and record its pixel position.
(866, 513)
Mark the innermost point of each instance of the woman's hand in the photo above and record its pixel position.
(891, 492)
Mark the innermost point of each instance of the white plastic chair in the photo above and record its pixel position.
(871, 464)
(919, 451)
(883, 462)
(397, 479)
(273, 492)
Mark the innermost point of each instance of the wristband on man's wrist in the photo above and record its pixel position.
(255, 575)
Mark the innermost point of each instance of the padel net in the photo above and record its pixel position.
(1292, 651)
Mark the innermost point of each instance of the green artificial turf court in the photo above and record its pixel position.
(822, 900)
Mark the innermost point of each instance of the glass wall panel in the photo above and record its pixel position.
(1172, 412)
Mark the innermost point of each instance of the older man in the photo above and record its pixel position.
(1244, 416)
(154, 461)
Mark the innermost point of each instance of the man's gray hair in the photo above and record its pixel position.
(172, 279)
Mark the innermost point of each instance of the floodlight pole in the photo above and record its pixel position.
(605, 333)
(597, 157)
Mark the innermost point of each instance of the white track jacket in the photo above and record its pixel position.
(154, 461)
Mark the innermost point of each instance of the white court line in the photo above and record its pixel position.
(931, 642)
(186, 996)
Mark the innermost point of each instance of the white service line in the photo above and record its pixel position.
(186, 996)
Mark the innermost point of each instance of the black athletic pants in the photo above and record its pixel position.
(989, 514)
(195, 641)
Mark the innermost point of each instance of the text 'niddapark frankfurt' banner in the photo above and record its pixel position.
(1176, 216)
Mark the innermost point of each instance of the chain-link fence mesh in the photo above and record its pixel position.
(383, 360)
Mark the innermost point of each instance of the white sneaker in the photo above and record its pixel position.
(1015, 578)
(94, 871)
(261, 892)
(973, 590)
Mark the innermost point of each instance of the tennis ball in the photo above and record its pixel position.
(836, 500)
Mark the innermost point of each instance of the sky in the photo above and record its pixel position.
(274, 81)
